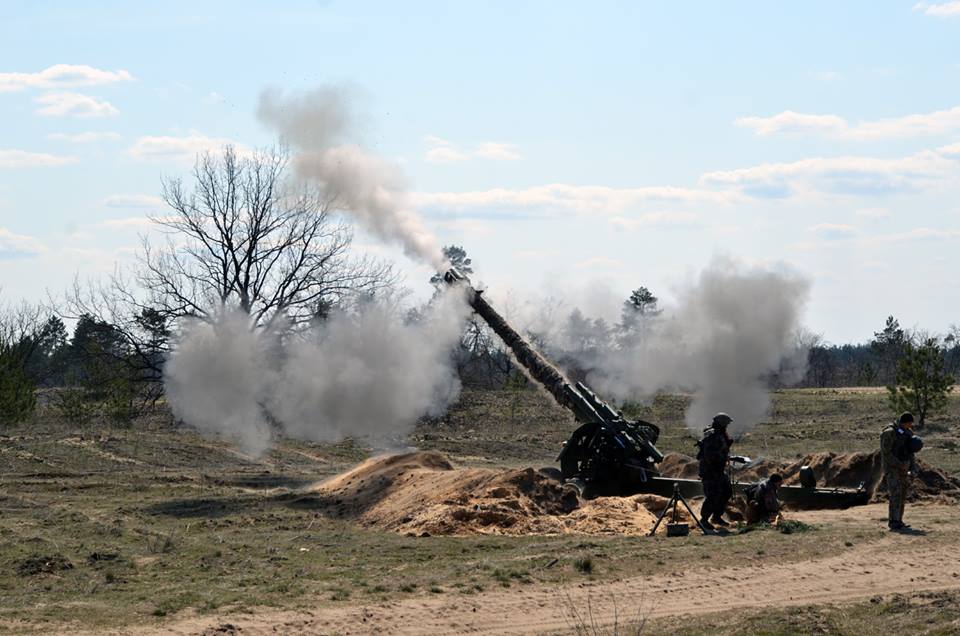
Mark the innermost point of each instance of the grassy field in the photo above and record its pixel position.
(516, 428)
(108, 525)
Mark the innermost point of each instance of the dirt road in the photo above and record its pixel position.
(864, 571)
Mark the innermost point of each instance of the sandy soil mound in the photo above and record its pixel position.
(679, 466)
(832, 471)
(423, 494)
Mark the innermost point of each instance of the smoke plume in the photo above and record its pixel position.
(217, 379)
(729, 332)
(370, 375)
(364, 374)
(319, 126)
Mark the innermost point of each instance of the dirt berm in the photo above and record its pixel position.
(832, 471)
(423, 494)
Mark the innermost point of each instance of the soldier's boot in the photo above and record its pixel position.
(706, 525)
(719, 520)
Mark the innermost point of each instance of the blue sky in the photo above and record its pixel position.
(565, 145)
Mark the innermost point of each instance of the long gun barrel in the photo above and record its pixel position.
(551, 378)
(607, 452)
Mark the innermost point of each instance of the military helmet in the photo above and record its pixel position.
(721, 420)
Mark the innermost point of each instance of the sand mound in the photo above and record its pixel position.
(679, 466)
(423, 494)
(848, 470)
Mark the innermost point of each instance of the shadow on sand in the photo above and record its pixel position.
(218, 507)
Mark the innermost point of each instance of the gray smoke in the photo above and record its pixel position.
(319, 126)
(364, 374)
(368, 374)
(729, 332)
(217, 379)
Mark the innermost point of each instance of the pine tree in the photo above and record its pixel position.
(457, 257)
(889, 346)
(922, 384)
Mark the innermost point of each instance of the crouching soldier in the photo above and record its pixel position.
(762, 501)
(897, 447)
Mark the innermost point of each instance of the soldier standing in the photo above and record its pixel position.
(713, 455)
(897, 446)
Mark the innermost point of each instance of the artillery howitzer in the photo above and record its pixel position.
(609, 454)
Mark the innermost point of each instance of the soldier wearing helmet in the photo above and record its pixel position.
(897, 446)
(713, 454)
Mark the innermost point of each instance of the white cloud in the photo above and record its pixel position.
(600, 262)
(841, 175)
(941, 9)
(833, 231)
(442, 150)
(938, 122)
(183, 148)
(498, 151)
(881, 241)
(213, 97)
(61, 76)
(825, 76)
(85, 137)
(434, 141)
(129, 223)
(75, 105)
(790, 122)
(133, 201)
(656, 219)
(17, 245)
(444, 154)
(468, 227)
(873, 213)
(559, 198)
(935, 123)
(24, 159)
(920, 234)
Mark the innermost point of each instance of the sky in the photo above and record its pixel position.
(568, 147)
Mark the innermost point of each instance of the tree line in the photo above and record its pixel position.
(241, 235)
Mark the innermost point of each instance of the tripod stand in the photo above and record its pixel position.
(672, 505)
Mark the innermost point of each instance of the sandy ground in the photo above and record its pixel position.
(861, 573)
(423, 494)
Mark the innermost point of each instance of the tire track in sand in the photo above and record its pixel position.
(858, 574)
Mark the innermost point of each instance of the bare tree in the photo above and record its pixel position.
(245, 236)
(240, 234)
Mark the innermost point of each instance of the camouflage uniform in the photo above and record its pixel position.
(764, 503)
(713, 456)
(897, 461)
